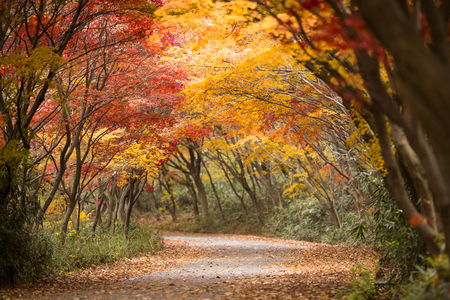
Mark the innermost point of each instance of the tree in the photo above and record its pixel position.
(421, 78)
(40, 43)
(190, 137)
(35, 36)
(246, 88)
(383, 87)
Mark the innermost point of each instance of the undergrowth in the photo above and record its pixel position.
(85, 248)
(363, 286)
(31, 254)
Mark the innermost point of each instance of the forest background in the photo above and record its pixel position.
(318, 120)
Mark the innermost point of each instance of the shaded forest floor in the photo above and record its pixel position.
(207, 266)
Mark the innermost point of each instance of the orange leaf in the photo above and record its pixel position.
(415, 220)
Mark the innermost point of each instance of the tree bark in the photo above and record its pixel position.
(265, 179)
(395, 182)
(155, 205)
(111, 199)
(135, 192)
(214, 190)
(170, 207)
(195, 168)
(415, 170)
(193, 193)
(98, 205)
(121, 206)
(422, 75)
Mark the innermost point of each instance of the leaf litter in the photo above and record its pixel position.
(212, 266)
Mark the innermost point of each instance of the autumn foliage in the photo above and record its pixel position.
(107, 104)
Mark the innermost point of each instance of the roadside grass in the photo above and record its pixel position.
(85, 248)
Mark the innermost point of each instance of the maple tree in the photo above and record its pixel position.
(36, 37)
(243, 89)
(281, 89)
(190, 137)
(84, 95)
(132, 116)
(44, 46)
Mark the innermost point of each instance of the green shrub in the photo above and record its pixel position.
(401, 246)
(363, 287)
(430, 283)
(25, 253)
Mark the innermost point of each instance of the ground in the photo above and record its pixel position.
(206, 266)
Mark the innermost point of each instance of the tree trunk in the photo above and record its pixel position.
(131, 202)
(416, 172)
(252, 195)
(121, 207)
(122, 204)
(75, 220)
(65, 222)
(240, 197)
(114, 215)
(74, 183)
(111, 198)
(214, 189)
(98, 205)
(195, 168)
(201, 194)
(136, 190)
(155, 205)
(171, 208)
(395, 182)
(422, 77)
(193, 193)
(265, 179)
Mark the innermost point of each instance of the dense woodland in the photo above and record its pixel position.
(317, 120)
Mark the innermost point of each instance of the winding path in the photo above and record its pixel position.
(228, 258)
(225, 267)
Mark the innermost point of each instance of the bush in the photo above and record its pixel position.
(363, 287)
(25, 253)
(401, 246)
(430, 283)
(29, 254)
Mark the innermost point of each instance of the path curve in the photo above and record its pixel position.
(228, 258)
(227, 267)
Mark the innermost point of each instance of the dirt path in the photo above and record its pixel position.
(229, 258)
(213, 267)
